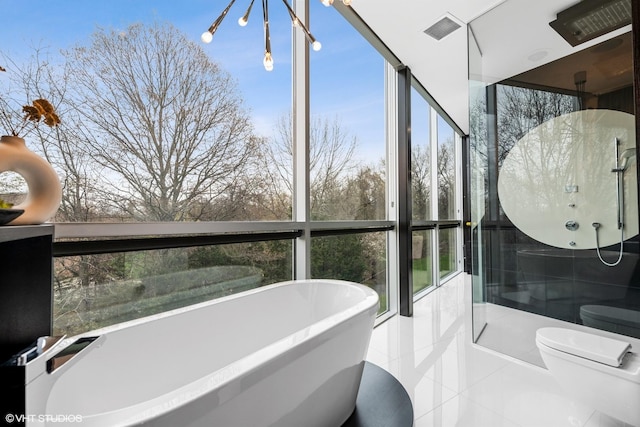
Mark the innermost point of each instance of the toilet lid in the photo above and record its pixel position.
(619, 316)
(589, 346)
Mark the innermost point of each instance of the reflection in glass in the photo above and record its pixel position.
(447, 251)
(478, 159)
(560, 172)
(92, 291)
(421, 255)
(360, 258)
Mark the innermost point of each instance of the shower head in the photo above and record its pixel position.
(625, 157)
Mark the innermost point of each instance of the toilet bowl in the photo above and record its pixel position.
(614, 319)
(600, 371)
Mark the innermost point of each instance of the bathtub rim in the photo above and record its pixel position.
(189, 392)
(371, 298)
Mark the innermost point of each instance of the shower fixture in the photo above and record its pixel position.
(622, 164)
(580, 80)
(589, 19)
(625, 158)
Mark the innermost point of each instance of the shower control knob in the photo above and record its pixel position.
(571, 225)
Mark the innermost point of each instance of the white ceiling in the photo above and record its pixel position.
(513, 36)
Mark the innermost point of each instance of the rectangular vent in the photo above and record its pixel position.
(591, 18)
(442, 28)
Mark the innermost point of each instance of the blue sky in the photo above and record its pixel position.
(346, 75)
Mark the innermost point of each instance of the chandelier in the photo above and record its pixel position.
(207, 36)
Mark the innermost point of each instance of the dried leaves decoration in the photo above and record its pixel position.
(41, 110)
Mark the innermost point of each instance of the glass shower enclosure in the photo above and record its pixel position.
(553, 185)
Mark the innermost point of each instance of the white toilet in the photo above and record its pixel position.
(602, 372)
(614, 319)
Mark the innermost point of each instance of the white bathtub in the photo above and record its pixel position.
(288, 354)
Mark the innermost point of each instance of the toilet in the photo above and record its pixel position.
(614, 319)
(602, 372)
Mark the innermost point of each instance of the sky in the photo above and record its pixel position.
(346, 74)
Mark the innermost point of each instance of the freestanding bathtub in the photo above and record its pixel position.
(288, 354)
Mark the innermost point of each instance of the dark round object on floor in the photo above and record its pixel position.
(382, 401)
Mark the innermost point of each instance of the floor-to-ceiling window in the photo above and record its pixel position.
(156, 127)
(155, 124)
(448, 204)
(347, 151)
(434, 193)
(177, 156)
(421, 191)
(198, 133)
(347, 122)
(446, 170)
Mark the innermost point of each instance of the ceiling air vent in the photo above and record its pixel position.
(591, 18)
(442, 28)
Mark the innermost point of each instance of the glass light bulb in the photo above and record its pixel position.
(295, 22)
(206, 37)
(346, 2)
(242, 21)
(327, 2)
(268, 62)
(316, 45)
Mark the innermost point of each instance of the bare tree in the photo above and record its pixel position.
(421, 182)
(12, 98)
(272, 173)
(522, 109)
(446, 179)
(365, 195)
(163, 121)
(331, 162)
(331, 152)
(41, 77)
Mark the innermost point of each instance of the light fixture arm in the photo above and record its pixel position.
(328, 3)
(297, 22)
(245, 18)
(268, 59)
(207, 36)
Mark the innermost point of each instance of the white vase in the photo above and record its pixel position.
(45, 192)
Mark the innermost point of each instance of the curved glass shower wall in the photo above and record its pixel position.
(554, 197)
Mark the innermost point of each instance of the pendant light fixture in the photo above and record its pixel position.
(207, 36)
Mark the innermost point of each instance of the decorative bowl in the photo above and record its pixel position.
(8, 215)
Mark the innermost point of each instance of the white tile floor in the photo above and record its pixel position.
(453, 382)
